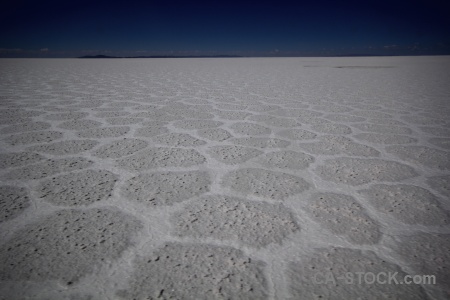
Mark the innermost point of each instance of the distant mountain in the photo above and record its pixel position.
(160, 56)
(98, 56)
(360, 54)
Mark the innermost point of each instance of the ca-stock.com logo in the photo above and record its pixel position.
(371, 278)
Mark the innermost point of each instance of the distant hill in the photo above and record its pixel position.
(98, 56)
(361, 55)
(159, 56)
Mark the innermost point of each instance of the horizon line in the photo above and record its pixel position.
(100, 56)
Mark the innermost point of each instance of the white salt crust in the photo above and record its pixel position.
(229, 178)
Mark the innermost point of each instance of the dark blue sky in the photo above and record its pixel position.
(277, 28)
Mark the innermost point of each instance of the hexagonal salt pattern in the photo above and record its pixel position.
(178, 139)
(48, 168)
(437, 131)
(9, 121)
(407, 203)
(370, 113)
(123, 121)
(344, 118)
(77, 188)
(119, 148)
(332, 108)
(441, 142)
(222, 217)
(421, 120)
(386, 129)
(249, 129)
(34, 137)
(67, 245)
(232, 115)
(161, 157)
(197, 124)
(192, 114)
(108, 132)
(197, 271)
(155, 123)
(259, 142)
(65, 147)
(380, 138)
(24, 127)
(342, 215)
(297, 134)
(73, 115)
(150, 131)
(166, 188)
(233, 154)
(8, 160)
(331, 128)
(440, 184)
(265, 183)
(357, 171)
(111, 114)
(331, 145)
(80, 124)
(13, 200)
(274, 121)
(301, 114)
(384, 121)
(334, 272)
(287, 161)
(214, 134)
(426, 156)
(10, 113)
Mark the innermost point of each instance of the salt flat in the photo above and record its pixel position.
(236, 178)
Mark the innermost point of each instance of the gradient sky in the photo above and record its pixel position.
(277, 28)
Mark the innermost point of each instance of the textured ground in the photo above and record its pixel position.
(223, 178)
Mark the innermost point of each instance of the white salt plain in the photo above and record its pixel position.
(242, 178)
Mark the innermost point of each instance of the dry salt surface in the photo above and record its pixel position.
(246, 178)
